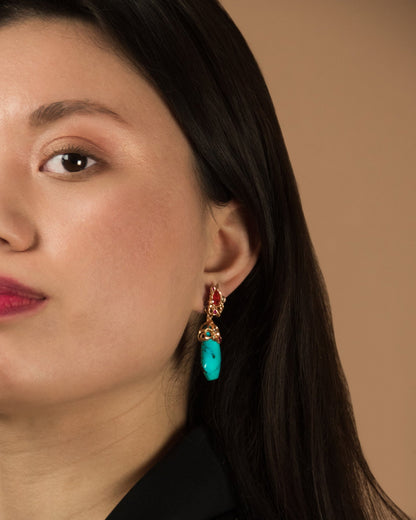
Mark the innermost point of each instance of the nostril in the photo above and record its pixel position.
(22, 239)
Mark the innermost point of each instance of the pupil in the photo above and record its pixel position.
(74, 162)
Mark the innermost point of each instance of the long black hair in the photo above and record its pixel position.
(281, 410)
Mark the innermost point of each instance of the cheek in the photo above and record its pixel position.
(146, 239)
(130, 262)
(122, 269)
(139, 247)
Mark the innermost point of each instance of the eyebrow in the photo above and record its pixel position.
(59, 109)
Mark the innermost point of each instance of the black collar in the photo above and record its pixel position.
(190, 483)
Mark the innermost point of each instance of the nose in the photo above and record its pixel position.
(16, 233)
(17, 230)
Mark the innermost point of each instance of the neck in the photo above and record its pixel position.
(79, 459)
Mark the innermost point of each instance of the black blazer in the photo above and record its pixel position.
(191, 483)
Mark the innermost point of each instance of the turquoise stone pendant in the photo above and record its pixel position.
(211, 359)
(210, 337)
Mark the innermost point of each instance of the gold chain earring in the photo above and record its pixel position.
(209, 335)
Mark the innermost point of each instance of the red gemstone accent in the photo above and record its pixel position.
(216, 298)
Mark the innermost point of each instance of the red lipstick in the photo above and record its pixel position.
(16, 297)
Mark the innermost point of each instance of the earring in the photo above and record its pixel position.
(210, 337)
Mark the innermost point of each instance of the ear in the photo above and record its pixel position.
(232, 249)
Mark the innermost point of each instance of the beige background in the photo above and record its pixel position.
(342, 74)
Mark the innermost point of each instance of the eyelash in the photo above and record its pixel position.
(74, 149)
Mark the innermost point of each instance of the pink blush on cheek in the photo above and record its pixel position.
(140, 232)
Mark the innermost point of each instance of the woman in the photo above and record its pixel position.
(147, 202)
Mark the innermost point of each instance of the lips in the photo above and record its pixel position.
(12, 288)
(16, 298)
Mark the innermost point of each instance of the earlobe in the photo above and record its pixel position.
(233, 249)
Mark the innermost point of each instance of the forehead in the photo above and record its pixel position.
(46, 60)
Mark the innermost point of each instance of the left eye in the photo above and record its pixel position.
(68, 162)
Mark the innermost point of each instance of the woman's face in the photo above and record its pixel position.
(118, 246)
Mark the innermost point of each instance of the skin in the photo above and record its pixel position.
(124, 250)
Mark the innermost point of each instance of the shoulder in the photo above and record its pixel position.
(228, 516)
(191, 483)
